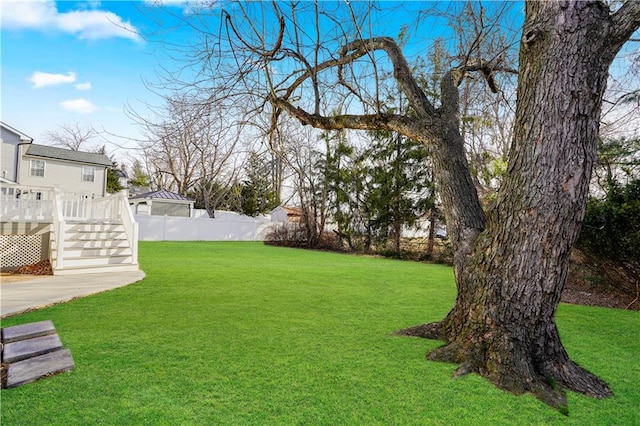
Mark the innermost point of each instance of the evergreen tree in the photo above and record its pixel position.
(402, 189)
(113, 182)
(258, 194)
(138, 176)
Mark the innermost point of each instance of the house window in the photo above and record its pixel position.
(88, 174)
(36, 168)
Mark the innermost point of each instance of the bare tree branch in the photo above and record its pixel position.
(625, 22)
(72, 136)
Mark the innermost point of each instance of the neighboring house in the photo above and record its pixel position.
(72, 171)
(162, 203)
(28, 164)
(294, 214)
(123, 176)
(11, 139)
(54, 206)
(279, 214)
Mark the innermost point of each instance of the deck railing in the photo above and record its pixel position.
(81, 207)
(26, 204)
(59, 225)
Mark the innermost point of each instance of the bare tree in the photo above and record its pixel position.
(72, 136)
(511, 261)
(297, 149)
(193, 145)
(220, 161)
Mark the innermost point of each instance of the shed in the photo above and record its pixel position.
(161, 203)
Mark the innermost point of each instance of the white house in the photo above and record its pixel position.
(29, 164)
(11, 139)
(54, 205)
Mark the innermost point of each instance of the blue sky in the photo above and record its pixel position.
(75, 62)
(83, 62)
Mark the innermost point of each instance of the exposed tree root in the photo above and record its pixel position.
(569, 375)
(513, 366)
(431, 331)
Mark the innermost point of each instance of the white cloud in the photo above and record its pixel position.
(188, 6)
(81, 106)
(44, 15)
(28, 14)
(44, 79)
(83, 86)
(166, 2)
(96, 24)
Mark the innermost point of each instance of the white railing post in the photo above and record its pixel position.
(130, 225)
(117, 205)
(59, 226)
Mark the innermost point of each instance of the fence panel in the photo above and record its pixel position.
(170, 228)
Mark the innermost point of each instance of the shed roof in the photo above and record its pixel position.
(162, 194)
(68, 155)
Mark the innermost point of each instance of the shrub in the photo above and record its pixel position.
(611, 227)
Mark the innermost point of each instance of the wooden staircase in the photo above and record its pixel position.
(92, 247)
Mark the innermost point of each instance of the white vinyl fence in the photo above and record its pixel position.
(226, 226)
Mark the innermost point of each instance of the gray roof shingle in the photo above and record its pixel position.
(162, 194)
(68, 155)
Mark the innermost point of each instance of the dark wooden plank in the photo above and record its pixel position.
(27, 331)
(30, 370)
(23, 349)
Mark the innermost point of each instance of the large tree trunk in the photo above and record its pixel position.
(509, 283)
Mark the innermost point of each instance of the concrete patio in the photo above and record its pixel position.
(21, 293)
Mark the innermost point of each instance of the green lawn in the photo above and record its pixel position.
(241, 333)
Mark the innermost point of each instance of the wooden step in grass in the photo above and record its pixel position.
(27, 331)
(32, 351)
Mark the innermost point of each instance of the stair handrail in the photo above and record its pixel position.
(59, 225)
(130, 225)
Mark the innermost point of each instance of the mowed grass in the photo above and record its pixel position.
(242, 333)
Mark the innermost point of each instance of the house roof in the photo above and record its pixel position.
(23, 136)
(68, 155)
(293, 211)
(162, 194)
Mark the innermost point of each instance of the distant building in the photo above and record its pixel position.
(27, 164)
(123, 176)
(161, 203)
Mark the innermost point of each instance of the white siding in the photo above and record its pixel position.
(65, 174)
(9, 144)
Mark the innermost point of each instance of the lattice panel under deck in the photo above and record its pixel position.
(19, 250)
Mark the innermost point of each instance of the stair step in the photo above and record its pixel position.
(93, 227)
(17, 351)
(97, 269)
(93, 247)
(27, 331)
(92, 236)
(97, 251)
(96, 244)
(74, 262)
